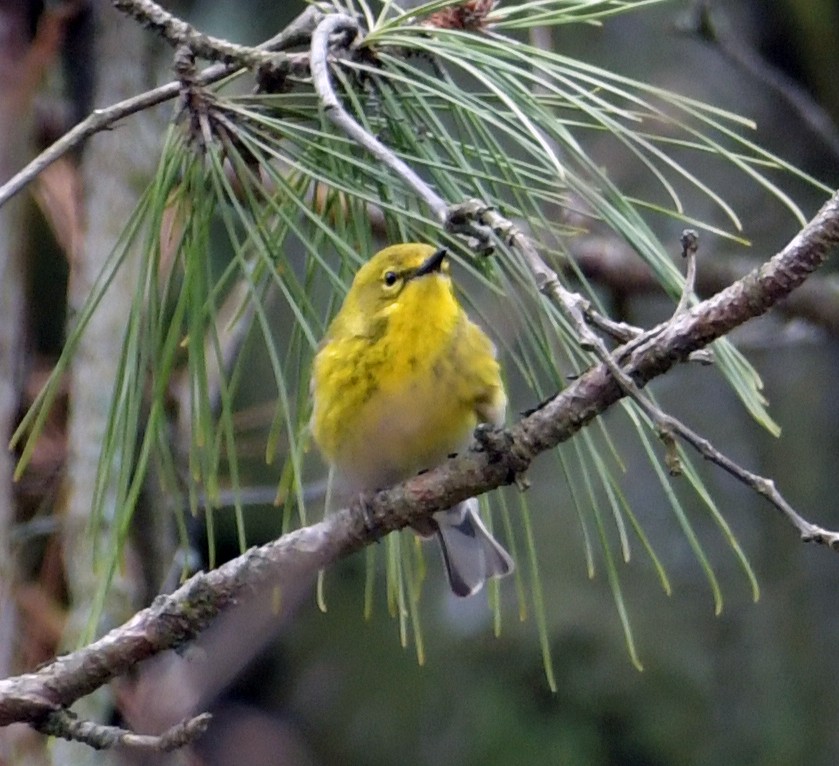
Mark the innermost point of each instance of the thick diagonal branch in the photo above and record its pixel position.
(501, 456)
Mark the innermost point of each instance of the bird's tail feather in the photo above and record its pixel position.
(471, 554)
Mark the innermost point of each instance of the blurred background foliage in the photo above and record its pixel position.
(758, 684)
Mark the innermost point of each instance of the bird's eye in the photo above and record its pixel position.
(391, 277)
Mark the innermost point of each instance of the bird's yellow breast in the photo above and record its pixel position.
(401, 396)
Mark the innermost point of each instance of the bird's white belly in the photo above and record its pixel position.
(402, 433)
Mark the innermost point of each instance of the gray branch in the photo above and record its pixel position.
(102, 119)
(338, 23)
(65, 725)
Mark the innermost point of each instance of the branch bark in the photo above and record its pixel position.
(610, 262)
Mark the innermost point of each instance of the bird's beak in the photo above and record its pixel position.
(431, 264)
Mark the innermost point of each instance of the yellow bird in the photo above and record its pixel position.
(400, 382)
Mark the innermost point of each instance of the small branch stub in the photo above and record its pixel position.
(66, 725)
(690, 245)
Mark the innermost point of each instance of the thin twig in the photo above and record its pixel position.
(690, 247)
(338, 23)
(575, 307)
(99, 120)
(623, 332)
(809, 532)
(612, 263)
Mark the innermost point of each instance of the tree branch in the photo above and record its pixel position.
(177, 32)
(612, 263)
(338, 23)
(296, 33)
(495, 460)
